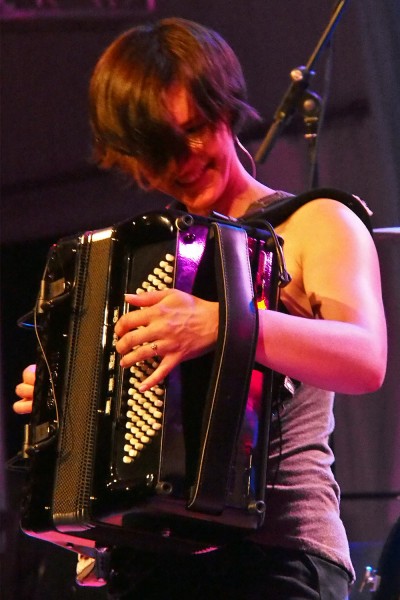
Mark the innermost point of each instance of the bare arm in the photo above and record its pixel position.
(342, 345)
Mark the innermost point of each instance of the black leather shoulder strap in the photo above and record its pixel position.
(277, 212)
(229, 385)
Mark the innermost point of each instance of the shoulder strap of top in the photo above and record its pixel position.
(281, 208)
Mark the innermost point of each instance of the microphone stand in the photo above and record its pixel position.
(298, 96)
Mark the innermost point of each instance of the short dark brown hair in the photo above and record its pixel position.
(128, 117)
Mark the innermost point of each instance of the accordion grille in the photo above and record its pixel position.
(77, 436)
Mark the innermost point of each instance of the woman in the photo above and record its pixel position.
(166, 103)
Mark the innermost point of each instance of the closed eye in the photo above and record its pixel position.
(196, 128)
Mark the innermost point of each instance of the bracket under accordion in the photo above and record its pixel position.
(173, 467)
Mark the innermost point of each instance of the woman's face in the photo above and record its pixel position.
(203, 180)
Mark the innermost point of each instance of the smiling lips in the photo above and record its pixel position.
(193, 176)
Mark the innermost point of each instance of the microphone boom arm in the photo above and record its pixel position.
(300, 77)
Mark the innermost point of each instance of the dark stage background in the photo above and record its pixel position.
(50, 189)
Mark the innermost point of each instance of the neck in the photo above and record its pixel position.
(240, 193)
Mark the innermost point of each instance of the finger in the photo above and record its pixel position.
(133, 340)
(139, 318)
(29, 374)
(140, 353)
(24, 390)
(160, 373)
(148, 298)
(22, 407)
(131, 321)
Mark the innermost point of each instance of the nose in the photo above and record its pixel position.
(185, 160)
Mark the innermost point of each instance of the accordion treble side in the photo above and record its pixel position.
(184, 464)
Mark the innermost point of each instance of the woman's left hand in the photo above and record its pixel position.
(171, 324)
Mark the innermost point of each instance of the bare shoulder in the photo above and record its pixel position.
(327, 249)
(322, 223)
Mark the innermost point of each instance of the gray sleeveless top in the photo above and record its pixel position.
(302, 498)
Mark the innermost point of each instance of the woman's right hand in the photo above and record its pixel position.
(25, 391)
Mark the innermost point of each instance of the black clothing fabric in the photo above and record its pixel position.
(242, 571)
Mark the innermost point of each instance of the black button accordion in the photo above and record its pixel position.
(183, 465)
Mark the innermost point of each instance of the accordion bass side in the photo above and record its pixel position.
(185, 463)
